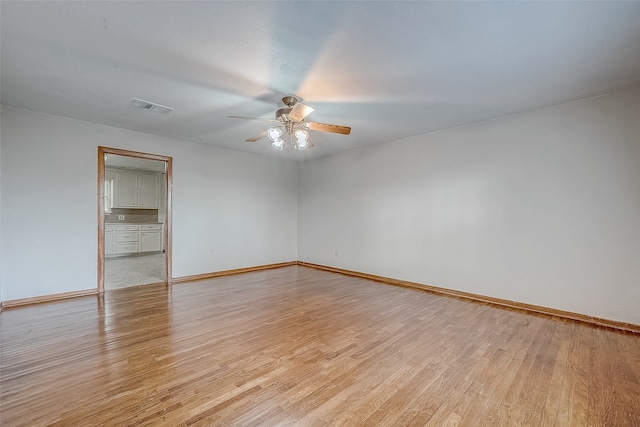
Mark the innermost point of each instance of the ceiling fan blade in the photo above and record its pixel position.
(258, 137)
(324, 127)
(299, 112)
(254, 118)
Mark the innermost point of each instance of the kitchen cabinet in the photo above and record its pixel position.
(138, 190)
(148, 191)
(150, 237)
(128, 239)
(126, 189)
(127, 248)
(108, 240)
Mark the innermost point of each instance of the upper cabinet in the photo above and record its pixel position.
(126, 190)
(109, 182)
(136, 190)
(148, 191)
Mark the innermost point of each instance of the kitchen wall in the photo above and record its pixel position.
(230, 209)
(541, 207)
(134, 216)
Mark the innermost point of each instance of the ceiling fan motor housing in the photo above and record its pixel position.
(289, 101)
(283, 112)
(291, 119)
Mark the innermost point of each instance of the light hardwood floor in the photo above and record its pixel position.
(297, 346)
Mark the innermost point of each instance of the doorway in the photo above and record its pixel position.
(134, 218)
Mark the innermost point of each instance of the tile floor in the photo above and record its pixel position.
(122, 272)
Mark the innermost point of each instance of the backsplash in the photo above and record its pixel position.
(135, 216)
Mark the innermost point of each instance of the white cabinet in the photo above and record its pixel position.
(126, 248)
(128, 236)
(127, 239)
(150, 237)
(109, 182)
(139, 190)
(127, 227)
(148, 191)
(150, 241)
(108, 240)
(126, 190)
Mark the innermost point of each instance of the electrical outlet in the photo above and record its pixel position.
(121, 217)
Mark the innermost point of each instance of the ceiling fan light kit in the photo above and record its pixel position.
(296, 138)
(292, 130)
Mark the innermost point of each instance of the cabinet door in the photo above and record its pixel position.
(126, 236)
(150, 241)
(126, 191)
(149, 194)
(109, 184)
(108, 243)
(126, 248)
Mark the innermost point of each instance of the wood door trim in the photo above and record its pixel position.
(101, 154)
(169, 221)
(101, 224)
(515, 305)
(184, 279)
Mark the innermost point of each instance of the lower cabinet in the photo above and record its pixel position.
(127, 239)
(150, 239)
(126, 248)
(108, 240)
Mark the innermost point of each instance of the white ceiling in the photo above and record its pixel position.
(388, 69)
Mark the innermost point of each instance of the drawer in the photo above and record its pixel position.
(109, 227)
(126, 236)
(147, 227)
(127, 227)
(127, 248)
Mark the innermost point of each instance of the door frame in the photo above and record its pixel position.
(102, 151)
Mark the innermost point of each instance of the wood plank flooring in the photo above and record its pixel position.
(297, 346)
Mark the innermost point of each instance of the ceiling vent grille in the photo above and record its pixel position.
(146, 105)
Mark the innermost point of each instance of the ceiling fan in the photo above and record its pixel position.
(292, 129)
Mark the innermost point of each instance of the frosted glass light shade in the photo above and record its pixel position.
(302, 137)
(274, 134)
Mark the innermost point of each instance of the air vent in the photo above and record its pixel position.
(146, 105)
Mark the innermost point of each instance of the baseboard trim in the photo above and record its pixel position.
(74, 294)
(594, 321)
(47, 298)
(184, 279)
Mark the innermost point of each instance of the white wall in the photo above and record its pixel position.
(1, 293)
(541, 207)
(230, 209)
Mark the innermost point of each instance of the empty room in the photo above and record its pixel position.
(319, 213)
